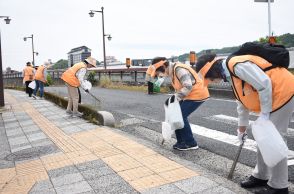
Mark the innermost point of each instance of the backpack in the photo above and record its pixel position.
(276, 54)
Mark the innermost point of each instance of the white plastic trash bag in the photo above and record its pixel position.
(32, 85)
(166, 131)
(173, 113)
(269, 141)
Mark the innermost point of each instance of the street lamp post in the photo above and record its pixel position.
(7, 21)
(33, 51)
(269, 15)
(103, 33)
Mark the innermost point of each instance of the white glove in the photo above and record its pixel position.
(159, 82)
(242, 136)
(87, 85)
(263, 116)
(178, 97)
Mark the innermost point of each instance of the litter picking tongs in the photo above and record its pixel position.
(230, 176)
(97, 99)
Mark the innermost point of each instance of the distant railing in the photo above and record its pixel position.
(131, 75)
(12, 75)
(116, 75)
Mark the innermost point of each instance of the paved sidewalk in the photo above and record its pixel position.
(43, 150)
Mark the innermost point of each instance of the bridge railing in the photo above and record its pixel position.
(131, 75)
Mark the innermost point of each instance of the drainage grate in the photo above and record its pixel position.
(31, 153)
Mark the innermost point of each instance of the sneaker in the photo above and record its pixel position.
(68, 112)
(77, 114)
(175, 146)
(184, 147)
(35, 97)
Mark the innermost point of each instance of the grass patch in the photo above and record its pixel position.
(19, 88)
(105, 82)
(88, 113)
(139, 88)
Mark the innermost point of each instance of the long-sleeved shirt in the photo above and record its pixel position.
(253, 75)
(80, 75)
(45, 73)
(186, 79)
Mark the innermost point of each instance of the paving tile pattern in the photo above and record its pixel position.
(89, 159)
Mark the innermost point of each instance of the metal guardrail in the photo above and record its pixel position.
(133, 75)
(116, 75)
(12, 75)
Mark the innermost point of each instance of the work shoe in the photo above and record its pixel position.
(253, 182)
(184, 147)
(270, 190)
(77, 114)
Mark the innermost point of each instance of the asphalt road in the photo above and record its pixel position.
(123, 103)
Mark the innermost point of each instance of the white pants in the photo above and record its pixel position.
(278, 175)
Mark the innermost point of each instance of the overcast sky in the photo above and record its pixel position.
(140, 28)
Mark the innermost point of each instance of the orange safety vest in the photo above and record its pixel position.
(150, 70)
(28, 74)
(69, 76)
(198, 92)
(282, 84)
(40, 74)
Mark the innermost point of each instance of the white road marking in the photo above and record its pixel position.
(254, 114)
(221, 99)
(223, 137)
(131, 121)
(232, 120)
(231, 139)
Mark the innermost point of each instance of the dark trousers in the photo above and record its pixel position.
(80, 97)
(28, 89)
(185, 135)
(150, 87)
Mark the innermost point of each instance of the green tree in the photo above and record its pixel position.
(266, 39)
(91, 78)
(287, 40)
(61, 64)
(49, 80)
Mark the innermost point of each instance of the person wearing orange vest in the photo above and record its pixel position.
(74, 78)
(40, 79)
(28, 77)
(150, 77)
(265, 89)
(190, 92)
(204, 63)
(150, 74)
